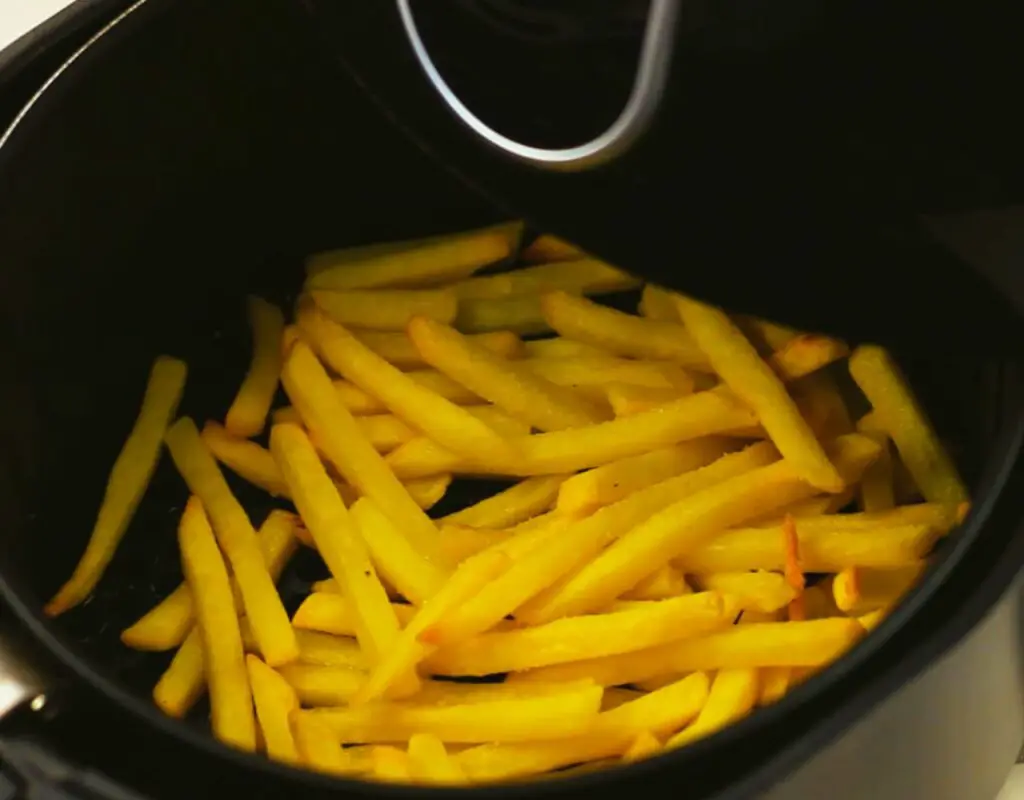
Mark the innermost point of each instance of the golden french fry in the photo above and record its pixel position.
(237, 540)
(246, 459)
(583, 493)
(507, 384)
(626, 398)
(745, 373)
(906, 422)
(319, 748)
(619, 333)
(657, 304)
(348, 449)
(558, 347)
(665, 583)
(248, 412)
(734, 692)
(761, 591)
(428, 492)
(518, 503)
(397, 349)
(520, 313)
(876, 489)
(860, 590)
(275, 701)
(385, 309)
(459, 542)
(183, 682)
(332, 613)
(321, 684)
(578, 638)
(871, 620)
(419, 262)
(230, 696)
(581, 276)
(804, 354)
(430, 763)
(390, 764)
(594, 374)
(327, 650)
(127, 483)
(550, 248)
(774, 683)
(644, 746)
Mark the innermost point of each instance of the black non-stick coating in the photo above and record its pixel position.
(141, 200)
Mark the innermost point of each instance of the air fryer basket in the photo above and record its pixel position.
(175, 167)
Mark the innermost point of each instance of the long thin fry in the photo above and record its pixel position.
(397, 349)
(877, 492)
(592, 375)
(559, 347)
(514, 505)
(248, 412)
(275, 701)
(508, 384)
(385, 309)
(734, 692)
(207, 576)
(627, 399)
(583, 276)
(127, 483)
(237, 540)
(743, 370)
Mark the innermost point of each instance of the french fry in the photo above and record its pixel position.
(762, 591)
(448, 424)
(246, 459)
(237, 540)
(644, 746)
(420, 262)
(521, 719)
(319, 749)
(619, 333)
(390, 764)
(326, 650)
(804, 354)
(248, 412)
(665, 583)
(394, 556)
(871, 620)
(459, 542)
(581, 276)
(507, 384)
(558, 347)
(685, 525)
(428, 492)
(230, 696)
(183, 682)
(275, 701)
(557, 556)
(336, 537)
(129, 477)
(583, 493)
(516, 504)
(614, 696)
(594, 374)
(745, 373)
(398, 350)
(657, 304)
(319, 685)
(774, 683)
(520, 313)
(550, 248)
(289, 336)
(612, 733)
(859, 590)
(578, 638)
(449, 692)
(906, 422)
(430, 763)
(626, 398)
(877, 491)
(335, 614)
(385, 309)
(354, 457)
(167, 624)
(734, 692)
(768, 644)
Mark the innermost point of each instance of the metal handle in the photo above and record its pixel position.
(644, 98)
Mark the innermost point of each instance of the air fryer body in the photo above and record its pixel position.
(197, 151)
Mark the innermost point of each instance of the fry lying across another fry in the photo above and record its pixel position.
(652, 537)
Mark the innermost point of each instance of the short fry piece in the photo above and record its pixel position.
(429, 761)
(906, 422)
(859, 590)
(183, 682)
(741, 368)
(275, 701)
(877, 492)
(804, 354)
(385, 309)
(127, 483)
(774, 684)
(657, 304)
(733, 695)
(323, 684)
(246, 459)
(248, 412)
(332, 613)
(237, 540)
(319, 748)
(581, 276)
(397, 349)
(207, 577)
(550, 248)
(516, 504)
(644, 746)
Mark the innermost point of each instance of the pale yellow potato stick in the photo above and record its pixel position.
(319, 748)
(665, 583)
(657, 304)
(508, 384)
(415, 577)
(556, 556)
(348, 450)
(448, 692)
(417, 262)
(774, 684)
(760, 591)
(601, 486)
(594, 374)
(167, 624)
(248, 412)
(820, 551)
(906, 422)
(385, 309)
(245, 458)
(733, 695)
(767, 644)
(336, 537)
(521, 719)
(550, 248)
(804, 354)
(559, 347)
(940, 517)
(231, 711)
(469, 578)
(237, 540)
(622, 334)
(333, 613)
(430, 763)
(859, 590)
(448, 424)
(752, 379)
(644, 746)
(183, 682)
(127, 483)
(688, 523)
(578, 638)
(322, 685)
(581, 276)
(626, 398)
(521, 313)
(518, 503)
(275, 701)
(397, 349)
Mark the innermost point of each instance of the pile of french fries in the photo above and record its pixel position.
(699, 515)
